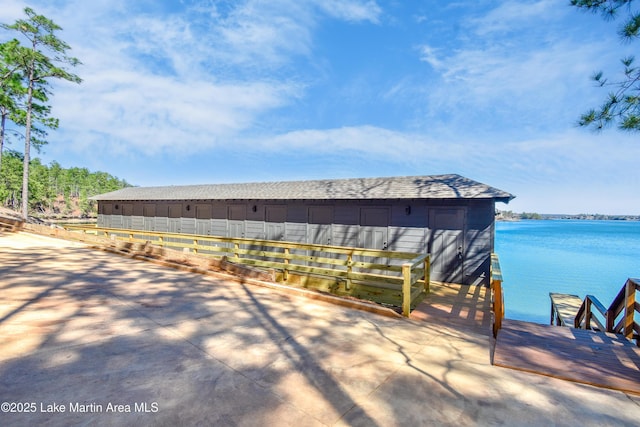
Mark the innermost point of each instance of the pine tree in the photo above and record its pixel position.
(622, 104)
(42, 60)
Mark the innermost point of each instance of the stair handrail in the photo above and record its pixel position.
(585, 314)
(624, 302)
(497, 294)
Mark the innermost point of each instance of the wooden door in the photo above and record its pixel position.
(149, 216)
(446, 244)
(175, 212)
(203, 220)
(275, 217)
(319, 228)
(374, 232)
(127, 213)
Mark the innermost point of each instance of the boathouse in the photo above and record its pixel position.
(449, 216)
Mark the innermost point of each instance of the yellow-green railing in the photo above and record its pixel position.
(403, 272)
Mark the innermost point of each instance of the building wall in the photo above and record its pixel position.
(458, 233)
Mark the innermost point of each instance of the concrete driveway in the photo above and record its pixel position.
(91, 338)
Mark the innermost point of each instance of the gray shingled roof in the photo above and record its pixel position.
(409, 187)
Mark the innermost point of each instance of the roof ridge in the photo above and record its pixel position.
(396, 187)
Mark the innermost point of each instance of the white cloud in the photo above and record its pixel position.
(510, 16)
(535, 78)
(570, 170)
(198, 78)
(429, 55)
(164, 114)
(412, 149)
(352, 10)
(191, 79)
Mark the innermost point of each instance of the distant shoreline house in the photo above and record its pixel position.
(449, 216)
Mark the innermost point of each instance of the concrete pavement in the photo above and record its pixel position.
(92, 338)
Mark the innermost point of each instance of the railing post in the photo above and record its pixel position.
(498, 309)
(587, 313)
(427, 273)
(285, 272)
(610, 318)
(498, 297)
(406, 289)
(236, 249)
(629, 308)
(195, 246)
(349, 271)
(577, 320)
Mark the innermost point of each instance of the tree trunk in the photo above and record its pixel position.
(27, 149)
(2, 125)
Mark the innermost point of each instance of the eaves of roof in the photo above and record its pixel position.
(411, 187)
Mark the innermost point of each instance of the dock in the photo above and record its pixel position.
(465, 307)
(564, 308)
(583, 356)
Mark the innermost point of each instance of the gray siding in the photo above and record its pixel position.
(149, 223)
(219, 227)
(203, 227)
(162, 224)
(296, 232)
(408, 239)
(116, 221)
(345, 235)
(479, 241)
(137, 223)
(188, 226)
(394, 225)
(254, 229)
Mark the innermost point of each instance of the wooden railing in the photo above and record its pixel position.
(404, 274)
(11, 225)
(619, 318)
(497, 295)
(587, 318)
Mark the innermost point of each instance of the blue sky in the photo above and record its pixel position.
(192, 92)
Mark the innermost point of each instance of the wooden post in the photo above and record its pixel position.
(406, 289)
(236, 248)
(629, 308)
(285, 272)
(498, 297)
(427, 273)
(349, 271)
(587, 313)
(195, 246)
(498, 309)
(610, 319)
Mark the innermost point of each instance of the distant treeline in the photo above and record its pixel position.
(515, 216)
(54, 191)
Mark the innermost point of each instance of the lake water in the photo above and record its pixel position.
(566, 256)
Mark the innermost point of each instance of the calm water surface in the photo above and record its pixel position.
(567, 256)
